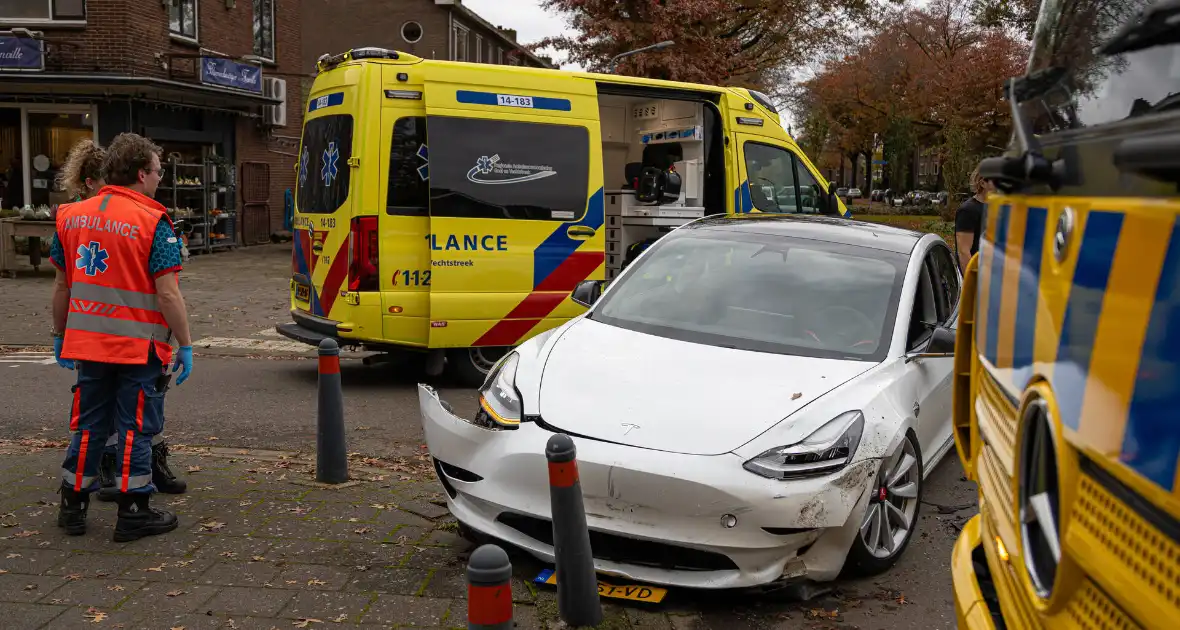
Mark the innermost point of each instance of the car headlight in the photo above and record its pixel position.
(826, 450)
(499, 401)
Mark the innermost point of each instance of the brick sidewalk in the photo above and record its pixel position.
(259, 546)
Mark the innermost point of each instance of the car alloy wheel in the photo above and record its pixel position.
(893, 506)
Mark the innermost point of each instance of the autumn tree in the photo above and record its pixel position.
(729, 42)
(918, 74)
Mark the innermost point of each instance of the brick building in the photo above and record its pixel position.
(205, 79)
(432, 29)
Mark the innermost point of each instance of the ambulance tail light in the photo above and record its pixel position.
(363, 255)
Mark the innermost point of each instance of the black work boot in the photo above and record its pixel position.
(107, 489)
(71, 516)
(162, 476)
(137, 519)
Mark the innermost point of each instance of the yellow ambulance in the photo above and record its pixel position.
(452, 208)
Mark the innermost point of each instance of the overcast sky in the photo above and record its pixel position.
(531, 23)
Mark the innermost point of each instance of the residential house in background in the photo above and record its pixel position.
(205, 79)
(432, 29)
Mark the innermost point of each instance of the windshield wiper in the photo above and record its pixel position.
(1159, 24)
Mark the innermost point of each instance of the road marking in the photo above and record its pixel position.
(28, 358)
(246, 343)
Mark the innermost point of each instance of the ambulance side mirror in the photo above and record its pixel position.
(587, 292)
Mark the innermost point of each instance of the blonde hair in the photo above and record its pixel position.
(978, 183)
(85, 161)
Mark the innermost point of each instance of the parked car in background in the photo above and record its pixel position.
(876, 194)
(854, 193)
(842, 193)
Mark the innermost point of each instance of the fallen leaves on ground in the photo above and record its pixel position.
(362, 530)
(159, 569)
(341, 618)
(95, 615)
(819, 613)
(212, 526)
(30, 587)
(303, 623)
(12, 555)
(115, 587)
(25, 533)
(194, 469)
(258, 559)
(228, 554)
(73, 576)
(176, 593)
(315, 582)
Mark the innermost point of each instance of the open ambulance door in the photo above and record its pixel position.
(516, 204)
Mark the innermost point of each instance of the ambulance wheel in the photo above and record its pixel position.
(470, 366)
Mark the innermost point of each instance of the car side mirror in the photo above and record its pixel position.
(588, 291)
(941, 345)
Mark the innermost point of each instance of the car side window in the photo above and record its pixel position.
(945, 275)
(770, 172)
(925, 312)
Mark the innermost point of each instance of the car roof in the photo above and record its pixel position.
(830, 229)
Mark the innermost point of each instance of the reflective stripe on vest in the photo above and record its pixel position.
(115, 326)
(113, 296)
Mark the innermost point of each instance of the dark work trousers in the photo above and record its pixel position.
(122, 398)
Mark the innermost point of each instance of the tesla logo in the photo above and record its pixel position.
(630, 427)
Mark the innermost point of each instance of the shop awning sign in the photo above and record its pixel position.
(231, 74)
(21, 53)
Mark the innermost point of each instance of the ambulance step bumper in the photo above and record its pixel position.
(306, 335)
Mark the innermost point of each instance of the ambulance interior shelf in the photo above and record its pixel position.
(654, 165)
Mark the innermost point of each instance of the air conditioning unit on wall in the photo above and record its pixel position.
(275, 115)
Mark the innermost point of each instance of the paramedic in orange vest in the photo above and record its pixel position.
(116, 306)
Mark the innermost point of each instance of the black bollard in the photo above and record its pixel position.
(577, 583)
(489, 589)
(331, 457)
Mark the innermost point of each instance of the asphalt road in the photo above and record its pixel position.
(270, 403)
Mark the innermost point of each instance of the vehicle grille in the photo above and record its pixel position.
(624, 550)
(1136, 551)
(1091, 609)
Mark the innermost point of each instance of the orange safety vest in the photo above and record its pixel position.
(114, 316)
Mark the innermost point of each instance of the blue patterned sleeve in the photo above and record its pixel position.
(165, 250)
(57, 255)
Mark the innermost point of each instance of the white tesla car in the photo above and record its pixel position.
(754, 400)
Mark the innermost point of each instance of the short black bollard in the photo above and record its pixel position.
(331, 457)
(577, 583)
(489, 589)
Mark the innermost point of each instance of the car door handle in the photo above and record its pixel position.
(580, 232)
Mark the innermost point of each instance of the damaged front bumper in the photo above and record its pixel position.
(659, 517)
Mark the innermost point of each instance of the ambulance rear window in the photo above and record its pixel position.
(323, 164)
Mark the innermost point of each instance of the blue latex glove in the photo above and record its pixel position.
(66, 363)
(183, 361)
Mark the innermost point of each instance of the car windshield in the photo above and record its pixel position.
(760, 292)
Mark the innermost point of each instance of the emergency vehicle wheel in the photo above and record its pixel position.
(892, 513)
(470, 366)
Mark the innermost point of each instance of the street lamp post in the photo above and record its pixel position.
(615, 60)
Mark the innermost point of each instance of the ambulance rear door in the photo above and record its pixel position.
(516, 202)
(325, 193)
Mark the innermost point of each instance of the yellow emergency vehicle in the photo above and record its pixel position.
(452, 207)
(1067, 391)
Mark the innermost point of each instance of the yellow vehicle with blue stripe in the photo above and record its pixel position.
(452, 208)
(1067, 391)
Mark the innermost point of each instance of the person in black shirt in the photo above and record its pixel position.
(969, 219)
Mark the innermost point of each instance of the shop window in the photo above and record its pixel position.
(264, 29)
(409, 178)
(324, 173)
(43, 9)
(498, 169)
(12, 177)
(182, 18)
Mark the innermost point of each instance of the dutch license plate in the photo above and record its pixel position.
(302, 293)
(646, 594)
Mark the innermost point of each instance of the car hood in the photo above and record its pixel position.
(622, 386)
